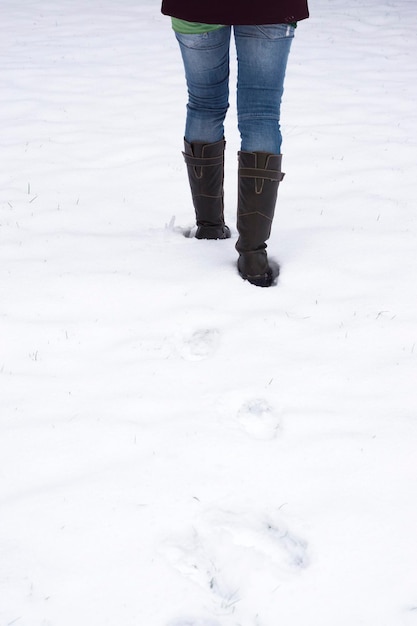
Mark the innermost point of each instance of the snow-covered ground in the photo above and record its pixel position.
(178, 447)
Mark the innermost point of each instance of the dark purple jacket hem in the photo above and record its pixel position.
(237, 11)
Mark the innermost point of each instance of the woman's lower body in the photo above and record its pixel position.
(262, 54)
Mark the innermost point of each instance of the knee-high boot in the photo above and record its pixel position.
(205, 166)
(259, 175)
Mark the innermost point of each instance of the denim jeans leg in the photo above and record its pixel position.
(262, 54)
(206, 64)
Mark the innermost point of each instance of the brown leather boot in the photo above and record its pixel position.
(205, 166)
(259, 175)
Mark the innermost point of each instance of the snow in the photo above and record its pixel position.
(178, 447)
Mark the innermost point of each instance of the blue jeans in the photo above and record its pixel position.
(262, 54)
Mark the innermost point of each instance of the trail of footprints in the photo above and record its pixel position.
(222, 551)
(255, 416)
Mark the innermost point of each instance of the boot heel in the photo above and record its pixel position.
(213, 232)
(257, 269)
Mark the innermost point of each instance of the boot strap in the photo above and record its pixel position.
(253, 172)
(202, 161)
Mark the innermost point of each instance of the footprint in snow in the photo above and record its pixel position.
(199, 345)
(197, 560)
(223, 552)
(259, 419)
(267, 534)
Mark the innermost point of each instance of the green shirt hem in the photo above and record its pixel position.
(192, 28)
(197, 28)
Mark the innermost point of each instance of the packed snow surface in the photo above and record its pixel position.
(177, 446)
